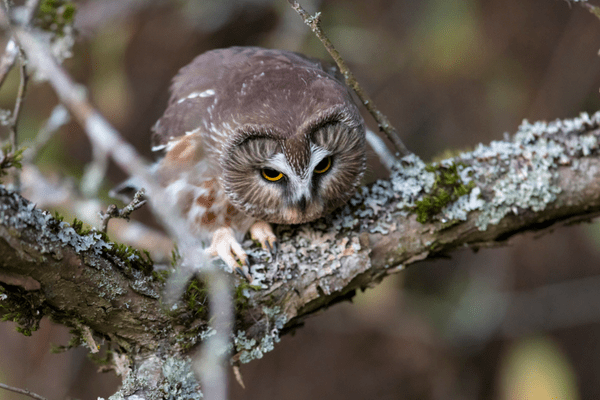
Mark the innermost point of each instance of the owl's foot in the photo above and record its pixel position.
(263, 233)
(226, 247)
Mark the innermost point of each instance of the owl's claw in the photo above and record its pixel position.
(263, 233)
(226, 247)
(273, 248)
(243, 273)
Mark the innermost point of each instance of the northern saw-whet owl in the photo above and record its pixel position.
(253, 136)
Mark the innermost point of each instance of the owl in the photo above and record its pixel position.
(253, 137)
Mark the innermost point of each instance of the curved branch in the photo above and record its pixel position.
(548, 175)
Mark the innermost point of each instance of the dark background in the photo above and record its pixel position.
(502, 323)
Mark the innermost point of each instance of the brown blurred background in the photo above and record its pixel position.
(518, 322)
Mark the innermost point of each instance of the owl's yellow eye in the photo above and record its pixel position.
(323, 166)
(271, 175)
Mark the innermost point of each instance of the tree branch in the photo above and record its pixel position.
(11, 51)
(22, 391)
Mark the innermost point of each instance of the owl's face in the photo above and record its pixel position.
(295, 178)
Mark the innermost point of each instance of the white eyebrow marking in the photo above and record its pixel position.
(318, 154)
(301, 184)
(192, 132)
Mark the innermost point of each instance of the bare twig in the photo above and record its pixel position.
(212, 365)
(52, 191)
(238, 376)
(113, 211)
(6, 65)
(22, 391)
(8, 59)
(89, 338)
(12, 50)
(94, 172)
(591, 8)
(58, 117)
(314, 22)
(18, 102)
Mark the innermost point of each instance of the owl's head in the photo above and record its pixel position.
(295, 177)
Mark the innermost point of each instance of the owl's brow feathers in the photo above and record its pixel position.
(334, 115)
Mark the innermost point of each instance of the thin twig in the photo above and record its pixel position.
(22, 391)
(314, 22)
(94, 172)
(88, 337)
(591, 8)
(212, 365)
(19, 101)
(12, 50)
(114, 212)
(59, 117)
(8, 59)
(7, 63)
(14, 120)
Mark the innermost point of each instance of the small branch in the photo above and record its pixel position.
(94, 172)
(212, 366)
(48, 191)
(19, 101)
(9, 157)
(89, 338)
(12, 50)
(113, 211)
(22, 391)
(8, 59)
(59, 117)
(314, 22)
(591, 8)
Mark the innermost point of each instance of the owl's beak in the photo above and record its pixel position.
(301, 204)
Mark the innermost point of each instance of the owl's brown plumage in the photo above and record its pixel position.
(252, 135)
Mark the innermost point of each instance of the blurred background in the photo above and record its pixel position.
(517, 322)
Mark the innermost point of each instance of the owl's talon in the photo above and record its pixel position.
(243, 274)
(226, 247)
(269, 247)
(263, 233)
(275, 247)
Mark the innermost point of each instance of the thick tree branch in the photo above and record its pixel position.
(548, 175)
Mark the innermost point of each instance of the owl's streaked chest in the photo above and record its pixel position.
(191, 182)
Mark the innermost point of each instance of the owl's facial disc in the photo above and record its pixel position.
(295, 179)
(296, 187)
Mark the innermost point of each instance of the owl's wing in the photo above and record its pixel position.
(211, 87)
